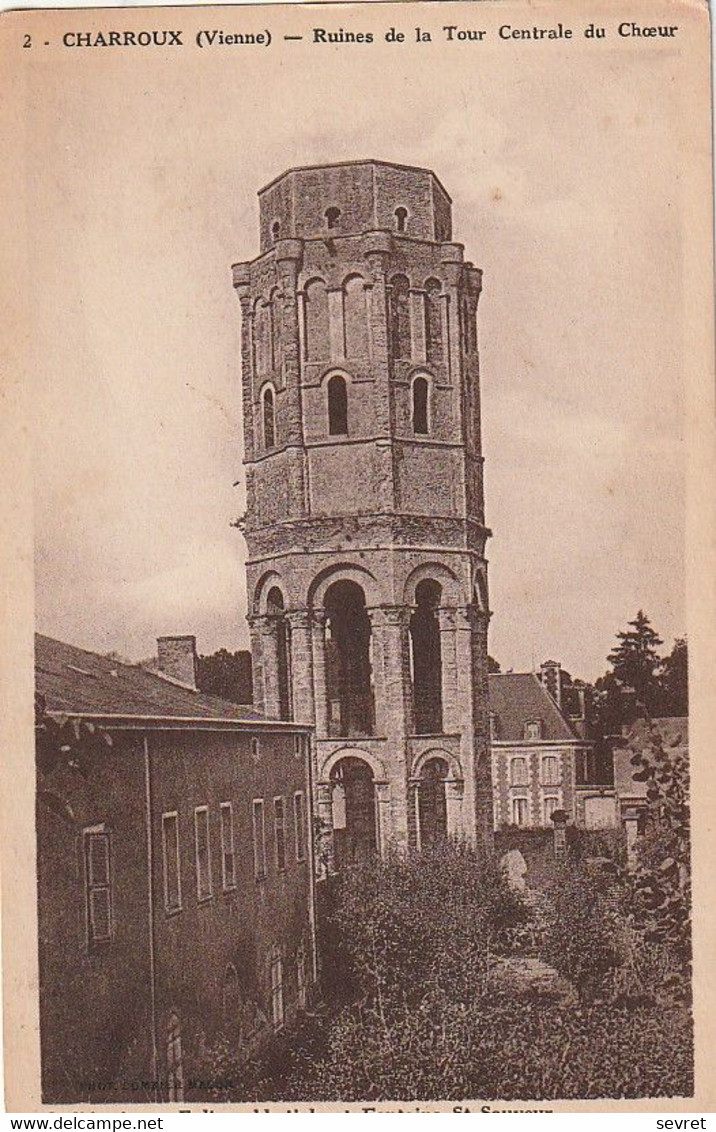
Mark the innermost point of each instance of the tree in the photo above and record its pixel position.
(675, 680)
(63, 744)
(662, 882)
(635, 661)
(226, 674)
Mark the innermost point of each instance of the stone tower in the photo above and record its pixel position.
(367, 581)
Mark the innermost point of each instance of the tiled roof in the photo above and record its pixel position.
(519, 697)
(78, 682)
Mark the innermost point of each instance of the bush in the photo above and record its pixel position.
(582, 939)
(501, 1049)
(407, 929)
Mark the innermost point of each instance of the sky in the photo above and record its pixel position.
(142, 182)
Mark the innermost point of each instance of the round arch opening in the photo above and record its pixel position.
(355, 834)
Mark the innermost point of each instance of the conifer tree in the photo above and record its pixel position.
(635, 660)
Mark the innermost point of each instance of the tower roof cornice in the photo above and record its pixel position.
(356, 163)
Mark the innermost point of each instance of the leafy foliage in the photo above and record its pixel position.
(581, 941)
(503, 1049)
(227, 675)
(63, 743)
(417, 929)
(662, 882)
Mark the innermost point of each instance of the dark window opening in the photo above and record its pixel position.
(426, 660)
(432, 807)
(275, 610)
(400, 338)
(401, 215)
(353, 811)
(348, 668)
(276, 229)
(420, 406)
(337, 406)
(332, 217)
(269, 418)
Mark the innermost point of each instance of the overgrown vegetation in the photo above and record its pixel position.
(415, 1009)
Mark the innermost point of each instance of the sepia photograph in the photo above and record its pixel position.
(359, 406)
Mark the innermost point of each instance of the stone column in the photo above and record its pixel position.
(445, 322)
(417, 325)
(336, 329)
(384, 826)
(454, 792)
(264, 630)
(448, 660)
(301, 666)
(320, 692)
(631, 829)
(242, 284)
(414, 812)
(389, 624)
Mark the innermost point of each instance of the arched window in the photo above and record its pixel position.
(420, 405)
(269, 417)
(276, 229)
(400, 316)
(275, 610)
(276, 974)
(426, 660)
(317, 343)
(355, 836)
(401, 216)
(332, 215)
(337, 406)
(175, 1062)
(355, 317)
(432, 807)
(349, 689)
(433, 321)
(231, 1001)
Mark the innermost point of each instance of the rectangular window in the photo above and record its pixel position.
(299, 825)
(277, 1015)
(259, 839)
(533, 729)
(98, 885)
(228, 865)
(519, 811)
(279, 830)
(203, 852)
(550, 770)
(518, 772)
(172, 867)
(550, 803)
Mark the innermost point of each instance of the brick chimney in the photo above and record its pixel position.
(176, 658)
(551, 677)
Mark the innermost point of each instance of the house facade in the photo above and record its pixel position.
(542, 757)
(365, 524)
(175, 880)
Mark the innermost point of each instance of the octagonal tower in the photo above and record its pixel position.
(367, 580)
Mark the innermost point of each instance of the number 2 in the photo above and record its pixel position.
(27, 41)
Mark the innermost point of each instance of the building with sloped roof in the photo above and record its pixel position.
(542, 757)
(175, 876)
